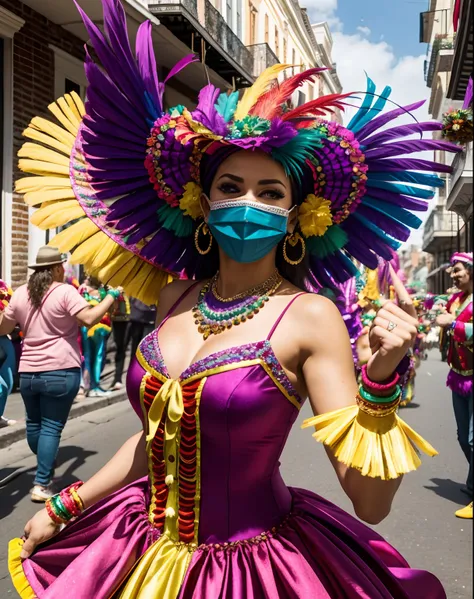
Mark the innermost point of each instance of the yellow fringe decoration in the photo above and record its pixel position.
(379, 447)
(48, 156)
(15, 567)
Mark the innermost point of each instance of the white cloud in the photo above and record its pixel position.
(323, 10)
(364, 30)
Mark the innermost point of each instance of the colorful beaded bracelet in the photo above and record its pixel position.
(377, 399)
(377, 411)
(381, 388)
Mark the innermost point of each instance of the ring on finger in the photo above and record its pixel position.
(391, 325)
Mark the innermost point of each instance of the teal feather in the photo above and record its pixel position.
(226, 105)
(294, 154)
(405, 217)
(414, 192)
(174, 219)
(325, 245)
(365, 106)
(348, 264)
(375, 110)
(393, 243)
(409, 177)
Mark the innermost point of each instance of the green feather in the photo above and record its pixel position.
(226, 105)
(293, 155)
(174, 219)
(325, 245)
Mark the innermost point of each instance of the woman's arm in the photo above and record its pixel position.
(6, 325)
(128, 464)
(328, 372)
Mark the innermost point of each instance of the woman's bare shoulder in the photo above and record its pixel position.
(172, 292)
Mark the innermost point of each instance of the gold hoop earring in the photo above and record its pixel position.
(293, 240)
(205, 230)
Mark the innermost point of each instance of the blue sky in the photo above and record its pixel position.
(395, 21)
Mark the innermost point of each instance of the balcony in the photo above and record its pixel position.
(463, 53)
(460, 196)
(440, 57)
(441, 228)
(263, 57)
(204, 30)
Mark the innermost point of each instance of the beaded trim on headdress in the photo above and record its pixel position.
(125, 171)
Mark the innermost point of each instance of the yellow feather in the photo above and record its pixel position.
(37, 152)
(79, 103)
(70, 114)
(98, 247)
(33, 198)
(29, 184)
(56, 214)
(61, 217)
(252, 94)
(62, 118)
(52, 129)
(72, 106)
(47, 140)
(42, 168)
(74, 235)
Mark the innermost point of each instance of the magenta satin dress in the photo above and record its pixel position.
(256, 537)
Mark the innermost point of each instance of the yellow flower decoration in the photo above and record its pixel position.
(190, 202)
(315, 216)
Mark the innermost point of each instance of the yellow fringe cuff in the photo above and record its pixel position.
(15, 567)
(379, 447)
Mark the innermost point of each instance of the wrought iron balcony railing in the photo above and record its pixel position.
(263, 57)
(223, 35)
(174, 6)
(439, 223)
(441, 42)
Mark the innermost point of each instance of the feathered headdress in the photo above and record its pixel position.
(123, 173)
(464, 257)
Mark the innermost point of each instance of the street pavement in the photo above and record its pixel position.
(421, 525)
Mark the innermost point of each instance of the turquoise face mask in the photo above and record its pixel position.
(247, 231)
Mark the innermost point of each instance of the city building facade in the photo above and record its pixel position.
(447, 29)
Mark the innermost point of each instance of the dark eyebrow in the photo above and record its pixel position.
(271, 182)
(233, 177)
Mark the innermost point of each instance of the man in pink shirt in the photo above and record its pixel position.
(49, 312)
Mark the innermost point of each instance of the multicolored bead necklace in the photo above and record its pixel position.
(214, 314)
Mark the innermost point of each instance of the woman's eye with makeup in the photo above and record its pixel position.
(272, 194)
(228, 188)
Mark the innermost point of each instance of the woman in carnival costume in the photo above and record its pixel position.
(94, 340)
(457, 324)
(247, 202)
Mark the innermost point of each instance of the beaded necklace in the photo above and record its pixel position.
(214, 314)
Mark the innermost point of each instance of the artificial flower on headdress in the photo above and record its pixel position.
(5, 295)
(315, 216)
(124, 171)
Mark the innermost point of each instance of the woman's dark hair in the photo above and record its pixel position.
(299, 275)
(38, 284)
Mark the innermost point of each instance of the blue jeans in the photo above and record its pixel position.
(463, 413)
(48, 398)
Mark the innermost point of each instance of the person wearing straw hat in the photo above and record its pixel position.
(48, 312)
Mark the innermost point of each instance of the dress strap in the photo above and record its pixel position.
(177, 302)
(278, 320)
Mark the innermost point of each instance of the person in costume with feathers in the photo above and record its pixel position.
(457, 324)
(237, 209)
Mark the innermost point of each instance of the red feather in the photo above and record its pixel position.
(269, 105)
(317, 107)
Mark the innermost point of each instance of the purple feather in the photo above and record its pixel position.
(137, 219)
(407, 164)
(105, 190)
(115, 164)
(408, 147)
(279, 134)
(401, 131)
(385, 118)
(115, 175)
(94, 106)
(115, 150)
(147, 63)
(206, 112)
(386, 223)
(468, 96)
(398, 199)
(98, 128)
(117, 71)
(131, 203)
(179, 66)
(459, 384)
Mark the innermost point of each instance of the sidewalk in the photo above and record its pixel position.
(15, 409)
